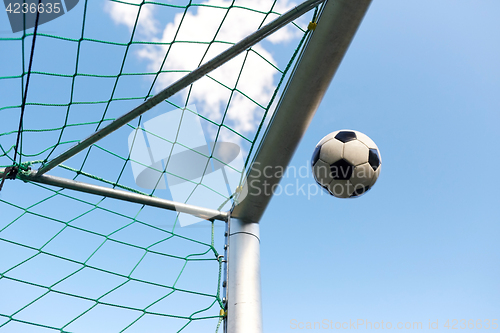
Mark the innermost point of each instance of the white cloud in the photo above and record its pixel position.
(126, 14)
(200, 24)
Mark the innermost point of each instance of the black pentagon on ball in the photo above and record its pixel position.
(345, 136)
(315, 156)
(360, 190)
(341, 170)
(374, 159)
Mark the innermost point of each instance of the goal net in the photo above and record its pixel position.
(77, 262)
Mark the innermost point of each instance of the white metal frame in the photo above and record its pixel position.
(204, 213)
(337, 25)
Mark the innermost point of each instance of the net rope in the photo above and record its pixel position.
(74, 262)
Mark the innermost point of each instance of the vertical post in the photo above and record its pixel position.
(244, 312)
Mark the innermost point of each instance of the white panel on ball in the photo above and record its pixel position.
(322, 172)
(366, 140)
(331, 151)
(363, 175)
(355, 152)
(325, 139)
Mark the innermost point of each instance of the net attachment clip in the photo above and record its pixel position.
(312, 26)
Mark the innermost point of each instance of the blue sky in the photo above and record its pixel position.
(421, 78)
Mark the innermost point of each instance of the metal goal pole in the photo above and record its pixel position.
(315, 69)
(70, 184)
(243, 264)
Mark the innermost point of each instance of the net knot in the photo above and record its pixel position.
(25, 166)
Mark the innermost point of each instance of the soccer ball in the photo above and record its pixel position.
(346, 163)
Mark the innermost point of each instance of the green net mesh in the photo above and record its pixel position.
(74, 262)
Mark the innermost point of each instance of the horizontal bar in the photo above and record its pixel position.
(184, 82)
(204, 213)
